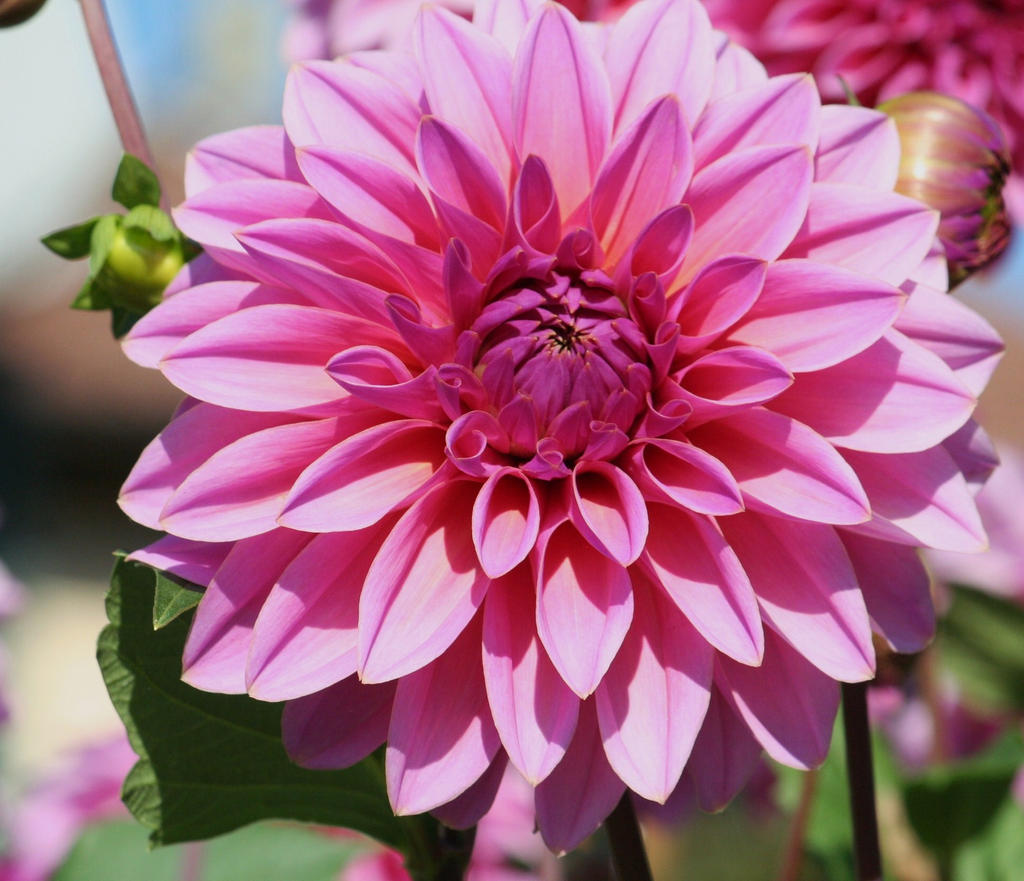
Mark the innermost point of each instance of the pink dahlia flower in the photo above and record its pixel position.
(574, 397)
(972, 49)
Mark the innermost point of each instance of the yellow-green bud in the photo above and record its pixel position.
(140, 264)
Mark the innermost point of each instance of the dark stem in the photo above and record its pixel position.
(456, 847)
(793, 856)
(861, 776)
(629, 859)
(122, 105)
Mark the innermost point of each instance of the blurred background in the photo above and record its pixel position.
(74, 413)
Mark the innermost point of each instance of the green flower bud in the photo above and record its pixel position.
(141, 254)
(14, 12)
(955, 159)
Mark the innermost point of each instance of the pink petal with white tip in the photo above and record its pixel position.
(673, 471)
(859, 146)
(218, 641)
(424, 585)
(268, 357)
(240, 490)
(534, 710)
(506, 519)
(689, 557)
(811, 316)
(467, 81)
(920, 498)
(651, 703)
(884, 235)
(441, 738)
(261, 151)
(657, 49)
(783, 467)
(560, 96)
(807, 591)
(783, 110)
(577, 796)
(608, 510)
(777, 179)
(584, 606)
(894, 397)
(896, 589)
(195, 561)
(339, 726)
(365, 477)
(788, 704)
(304, 638)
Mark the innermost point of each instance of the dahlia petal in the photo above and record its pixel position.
(378, 378)
(190, 439)
(659, 49)
(609, 511)
(428, 344)
(777, 179)
(661, 245)
(735, 69)
(668, 470)
(505, 19)
(535, 206)
(365, 477)
(859, 146)
(784, 467)
(468, 809)
(465, 293)
(240, 490)
(268, 357)
(652, 701)
(352, 108)
(783, 110)
(534, 710)
(584, 607)
(467, 79)
(811, 315)
(506, 520)
(957, 334)
(339, 726)
(788, 704)
(441, 738)
(202, 269)
(723, 757)
(195, 561)
(884, 235)
(921, 495)
(369, 193)
(218, 641)
(646, 171)
(738, 376)
(160, 330)
(304, 638)
(894, 397)
(807, 591)
(423, 588)
(973, 453)
(260, 151)
(896, 589)
(560, 96)
(576, 797)
(334, 266)
(719, 295)
(689, 557)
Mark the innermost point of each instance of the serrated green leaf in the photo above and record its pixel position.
(135, 184)
(152, 221)
(172, 598)
(117, 850)
(72, 242)
(982, 646)
(103, 235)
(211, 763)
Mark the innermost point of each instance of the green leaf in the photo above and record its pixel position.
(173, 598)
(983, 647)
(210, 763)
(950, 804)
(152, 221)
(267, 852)
(135, 184)
(103, 236)
(73, 242)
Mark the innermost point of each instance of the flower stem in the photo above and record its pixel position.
(793, 857)
(122, 105)
(861, 776)
(629, 858)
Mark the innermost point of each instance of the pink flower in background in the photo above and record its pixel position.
(568, 397)
(972, 49)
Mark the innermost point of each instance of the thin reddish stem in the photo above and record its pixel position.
(861, 775)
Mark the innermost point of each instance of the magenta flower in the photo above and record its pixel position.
(972, 49)
(575, 397)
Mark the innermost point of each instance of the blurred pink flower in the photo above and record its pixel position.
(593, 348)
(972, 49)
(44, 825)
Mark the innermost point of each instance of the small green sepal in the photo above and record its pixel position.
(72, 243)
(135, 184)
